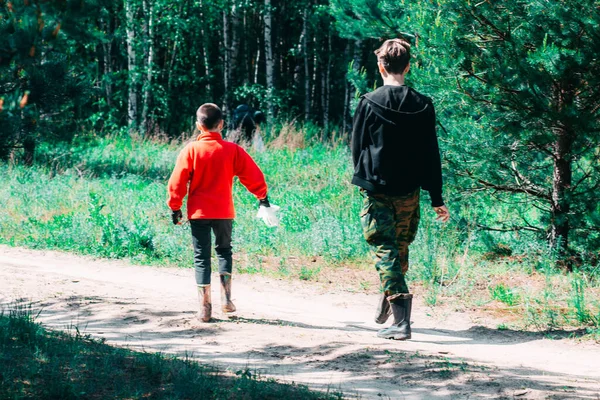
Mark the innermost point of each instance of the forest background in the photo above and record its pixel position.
(97, 97)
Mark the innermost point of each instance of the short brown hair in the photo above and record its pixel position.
(394, 55)
(209, 115)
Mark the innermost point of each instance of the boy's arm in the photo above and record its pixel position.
(249, 174)
(358, 130)
(178, 183)
(432, 177)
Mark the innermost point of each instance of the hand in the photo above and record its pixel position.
(442, 213)
(177, 217)
(264, 202)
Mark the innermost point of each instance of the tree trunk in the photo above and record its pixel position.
(247, 55)
(107, 59)
(325, 86)
(205, 54)
(235, 70)
(306, 65)
(226, 62)
(149, 11)
(357, 58)
(562, 176)
(346, 95)
(314, 72)
(561, 185)
(132, 105)
(257, 64)
(270, 67)
(357, 62)
(174, 52)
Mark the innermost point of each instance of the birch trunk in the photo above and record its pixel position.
(346, 112)
(107, 59)
(325, 86)
(205, 54)
(306, 65)
(234, 68)
(270, 67)
(226, 62)
(149, 10)
(132, 104)
(257, 63)
(174, 52)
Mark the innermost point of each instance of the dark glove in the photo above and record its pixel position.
(177, 217)
(264, 202)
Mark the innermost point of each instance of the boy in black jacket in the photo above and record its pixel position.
(395, 153)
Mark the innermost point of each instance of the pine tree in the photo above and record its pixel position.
(42, 90)
(532, 68)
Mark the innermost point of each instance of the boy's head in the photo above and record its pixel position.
(393, 56)
(209, 117)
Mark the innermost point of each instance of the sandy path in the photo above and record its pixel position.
(293, 332)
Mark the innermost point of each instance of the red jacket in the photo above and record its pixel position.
(205, 170)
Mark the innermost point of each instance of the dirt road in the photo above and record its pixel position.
(294, 332)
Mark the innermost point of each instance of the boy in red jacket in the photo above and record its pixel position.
(204, 172)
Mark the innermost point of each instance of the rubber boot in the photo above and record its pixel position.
(205, 304)
(383, 310)
(401, 308)
(227, 305)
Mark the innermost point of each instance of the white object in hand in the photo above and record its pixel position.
(269, 215)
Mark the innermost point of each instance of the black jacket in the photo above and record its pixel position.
(394, 143)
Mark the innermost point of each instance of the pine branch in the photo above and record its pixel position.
(470, 95)
(515, 189)
(486, 22)
(523, 178)
(541, 148)
(511, 229)
(590, 190)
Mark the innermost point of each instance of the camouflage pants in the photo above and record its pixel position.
(390, 225)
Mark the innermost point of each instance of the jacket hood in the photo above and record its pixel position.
(393, 104)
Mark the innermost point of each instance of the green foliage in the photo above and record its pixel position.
(514, 93)
(526, 72)
(580, 308)
(107, 198)
(36, 363)
(359, 19)
(504, 294)
(45, 80)
(530, 70)
(309, 274)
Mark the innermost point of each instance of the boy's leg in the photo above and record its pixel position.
(201, 242)
(379, 229)
(407, 217)
(223, 229)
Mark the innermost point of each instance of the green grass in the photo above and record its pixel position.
(39, 364)
(106, 197)
(102, 200)
(308, 273)
(502, 293)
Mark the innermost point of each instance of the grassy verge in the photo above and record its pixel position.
(105, 197)
(40, 364)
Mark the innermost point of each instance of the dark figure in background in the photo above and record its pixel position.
(247, 120)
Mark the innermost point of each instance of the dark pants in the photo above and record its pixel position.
(201, 239)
